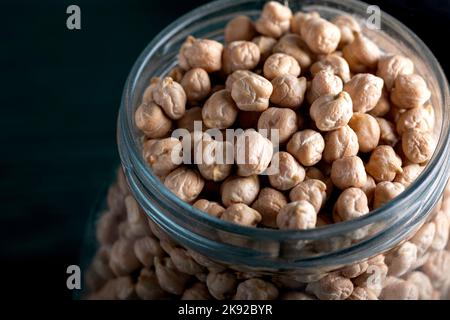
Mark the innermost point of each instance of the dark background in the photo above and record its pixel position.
(60, 95)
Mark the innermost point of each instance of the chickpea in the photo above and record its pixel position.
(423, 283)
(335, 64)
(424, 238)
(367, 130)
(253, 153)
(123, 260)
(146, 249)
(196, 85)
(321, 36)
(239, 28)
(169, 278)
(331, 112)
(400, 290)
(185, 183)
(201, 53)
(281, 119)
(365, 90)
(256, 289)
(340, 143)
(239, 190)
(391, 66)
(362, 293)
(442, 231)
(384, 164)
(294, 46)
(354, 270)
(388, 134)
(331, 287)
(361, 54)
(210, 207)
(409, 91)
(279, 64)
(299, 18)
(385, 191)
(198, 291)
(290, 172)
(417, 146)
(288, 91)
(348, 27)
(382, 107)
(323, 83)
(236, 75)
(151, 120)
(184, 263)
(437, 266)
(348, 172)
(190, 116)
(351, 204)
(297, 215)
(147, 286)
(265, 45)
(274, 20)
(220, 110)
(214, 159)
(315, 173)
(418, 118)
(401, 259)
(268, 204)
(240, 55)
(148, 92)
(311, 190)
(409, 174)
(171, 97)
(252, 93)
(307, 147)
(221, 285)
(163, 155)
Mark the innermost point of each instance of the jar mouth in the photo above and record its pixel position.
(132, 159)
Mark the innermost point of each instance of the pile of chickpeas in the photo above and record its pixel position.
(355, 129)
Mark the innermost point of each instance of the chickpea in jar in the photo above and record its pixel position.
(331, 112)
(288, 91)
(307, 147)
(288, 173)
(269, 204)
(348, 172)
(283, 120)
(340, 143)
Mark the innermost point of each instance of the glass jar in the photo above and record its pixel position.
(368, 250)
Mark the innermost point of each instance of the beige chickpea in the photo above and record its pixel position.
(348, 172)
(269, 204)
(281, 119)
(351, 204)
(367, 130)
(437, 266)
(176, 73)
(315, 173)
(252, 92)
(147, 96)
(196, 85)
(401, 259)
(122, 258)
(332, 112)
(253, 153)
(354, 270)
(297, 215)
(417, 146)
(294, 46)
(146, 248)
(361, 54)
(163, 155)
(279, 64)
(198, 291)
(289, 172)
(288, 91)
(442, 231)
(362, 293)
(340, 143)
(423, 283)
(265, 45)
(239, 28)
(169, 278)
(400, 290)
(409, 174)
(256, 289)
(214, 159)
(348, 26)
(274, 20)
(307, 147)
(385, 191)
(201, 53)
(383, 105)
(221, 285)
(384, 164)
(365, 89)
(418, 118)
(374, 277)
(331, 287)
(184, 262)
(409, 91)
(325, 82)
(299, 18)
(210, 207)
(147, 286)
(240, 55)
(190, 116)
(239, 190)
(151, 120)
(335, 64)
(321, 36)
(171, 97)
(185, 183)
(391, 66)
(388, 134)
(220, 110)
(236, 75)
(424, 238)
(311, 190)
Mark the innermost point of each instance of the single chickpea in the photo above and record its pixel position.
(418, 118)
(239, 190)
(147, 96)
(171, 97)
(241, 214)
(331, 112)
(289, 173)
(321, 36)
(191, 115)
(348, 27)
(354, 270)
(163, 156)
(274, 20)
(265, 45)
(196, 85)
(417, 146)
(201, 53)
(252, 93)
(361, 54)
(198, 291)
(299, 18)
(384, 164)
(311, 190)
(365, 89)
(324, 82)
(385, 191)
(437, 266)
(240, 55)
(409, 91)
(239, 28)
(307, 147)
(388, 134)
(210, 207)
(294, 46)
(297, 215)
(279, 64)
(146, 248)
(348, 172)
(214, 159)
(152, 121)
(400, 290)
(367, 130)
(340, 143)
(383, 105)
(331, 287)
(236, 75)
(252, 152)
(184, 263)
(391, 66)
(221, 285)
(281, 119)
(335, 64)
(220, 110)
(147, 286)
(169, 278)
(442, 231)
(409, 174)
(256, 289)
(423, 283)
(185, 183)
(315, 173)
(424, 238)
(369, 188)
(123, 260)
(401, 259)
(351, 204)
(269, 204)
(288, 91)
(362, 293)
